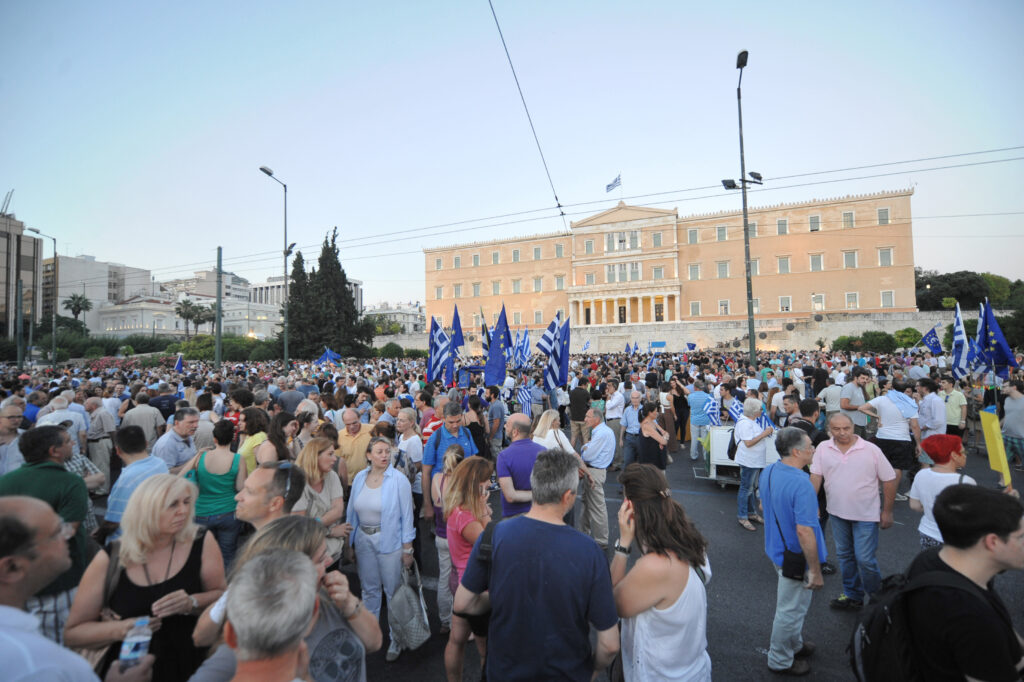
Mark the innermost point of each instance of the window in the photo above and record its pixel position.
(852, 302)
(517, 318)
(783, 265)
(634, 240)
(885, 257)
(495, 257)
(538, 317)
(656, 239)
(437, 293)
(785, 304)
(634, 272)
(559, 251)
(720, 233)
(723, 307)
(755, 268)
(515, 255)
(457, 289)
(457, 263)
(723, 269)
(756, 304)
(610, 242)
(536, 253)
(476, 260)
(476, 289)
(816, 262)
(588, 247)
(849, 259)
(815, 223)
(888, 299)
(817, 302)
(752, 228)
(658, 273)
(589, 278)
(622, 272)
(691, 236)
(694, 308)
(437, 263)
(496, 288)
(883, 216)
(782, 226)
(538, 283)
(609, 274)
(847, 219)
(559, 282)
(694, 273)
(516, 286)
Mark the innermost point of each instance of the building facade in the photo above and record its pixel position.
(272, 292)
(634, 265)
(409, 316)
(155, 315)
(20, 260)
(204, 283)
(101, 283)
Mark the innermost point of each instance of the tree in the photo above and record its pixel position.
(187, 311)
(969, 288)
(998, 289)
(392, 350)
(203, 315)
(77, 304)
(878, 342)
(907, 337)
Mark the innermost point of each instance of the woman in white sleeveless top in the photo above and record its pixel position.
(661, 600)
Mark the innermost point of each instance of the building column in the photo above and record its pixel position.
(590, 309)
(629, 310)
(652, 308)
(677, 304)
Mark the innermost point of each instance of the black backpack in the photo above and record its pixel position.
(880, 648)
(733, 445)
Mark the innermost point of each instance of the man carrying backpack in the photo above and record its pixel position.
(966, 631)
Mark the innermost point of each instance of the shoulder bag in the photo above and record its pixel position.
(95, 656)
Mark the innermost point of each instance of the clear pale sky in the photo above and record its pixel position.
(133, 131)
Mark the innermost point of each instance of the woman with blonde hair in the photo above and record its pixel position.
(452, 457)
(170, 569)
(343, 630)
(548, 432)
(466, 513)
(323, 498)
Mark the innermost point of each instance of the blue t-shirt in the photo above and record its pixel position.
(787, 493)
(548, 585)
(697, 401)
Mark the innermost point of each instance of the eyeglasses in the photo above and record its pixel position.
(286, 466)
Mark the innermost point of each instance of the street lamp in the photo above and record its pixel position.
(741, 184)
(287, 252)
(53, 328)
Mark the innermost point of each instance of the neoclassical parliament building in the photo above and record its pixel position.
(632, 265)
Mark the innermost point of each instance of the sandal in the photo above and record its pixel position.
(747, 524)
(756, 518)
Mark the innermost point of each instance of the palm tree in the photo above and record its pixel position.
(77, 304)
(203, 315)
(187, 311)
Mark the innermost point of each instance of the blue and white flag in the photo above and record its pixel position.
(438, 352)
(614, 183)
(548, 339)
(563, 359)
(524, 397)
(931, 341)
(485, 337)
(179, 366)
(979, 336)
(650, 363)
(714, 412)
(764, 421)
(736, 409)
(586, 346)
(960, 346)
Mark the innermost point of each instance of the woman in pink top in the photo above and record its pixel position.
(467, 512)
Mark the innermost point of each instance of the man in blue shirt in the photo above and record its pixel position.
(598, 454)
(138, 466)
(699, 420)
(630, 429)
(791, 522)
(452, 433)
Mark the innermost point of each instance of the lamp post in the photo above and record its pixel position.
(287, 252)
(755, 178)
(53, 307)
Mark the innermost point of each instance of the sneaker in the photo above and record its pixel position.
(828, 568)
(844, 603)
(900, 497)
(393, 651)
(799, 668)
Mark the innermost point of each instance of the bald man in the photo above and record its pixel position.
(515, 464)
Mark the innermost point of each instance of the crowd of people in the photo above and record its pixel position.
(260, 517)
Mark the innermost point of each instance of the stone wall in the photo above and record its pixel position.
(417, 341)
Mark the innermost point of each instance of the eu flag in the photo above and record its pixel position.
(179, 365)
(457, 340)
(931, 342)
(501, 339)
(996, 350)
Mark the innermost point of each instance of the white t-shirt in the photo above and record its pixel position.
(927, 485)
(747, 429)
(892, 424)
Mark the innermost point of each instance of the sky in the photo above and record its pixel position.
(133, 132)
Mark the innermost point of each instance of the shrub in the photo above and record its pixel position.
(392, 350)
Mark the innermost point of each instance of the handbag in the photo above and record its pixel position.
(96, 656)
(407, 611)
(794, 565)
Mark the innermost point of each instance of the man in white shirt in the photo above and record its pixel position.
(931, 410)
(613, 407)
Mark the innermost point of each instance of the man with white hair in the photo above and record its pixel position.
(60, 414)
(100, 437)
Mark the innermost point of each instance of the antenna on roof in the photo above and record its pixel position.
(7, 202)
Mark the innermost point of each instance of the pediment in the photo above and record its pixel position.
(623, 213)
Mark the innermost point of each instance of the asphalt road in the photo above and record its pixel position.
(741, 593)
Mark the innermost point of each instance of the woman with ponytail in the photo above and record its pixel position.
(661, 601)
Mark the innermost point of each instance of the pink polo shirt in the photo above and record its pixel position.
(851, 479)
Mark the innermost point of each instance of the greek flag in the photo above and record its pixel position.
(556, 372)
(524, 398)
(614, 183)
(736, 409)
(549, 339)
(524, 349)
(713, 412)
(650, 363)
(586, 346)
(439, 351)
(485, 338)
(960, 347)
(764, 421)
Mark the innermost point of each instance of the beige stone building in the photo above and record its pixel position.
(634, 265)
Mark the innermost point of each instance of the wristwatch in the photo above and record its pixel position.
(620, 549)
(407, 551)
(195, 603)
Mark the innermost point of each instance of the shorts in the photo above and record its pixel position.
(479, 623)
(900, 453)
(1014, 448)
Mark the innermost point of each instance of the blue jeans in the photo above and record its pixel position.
(745, 497)
(856, 546)
(630, 448)
(225, 529)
